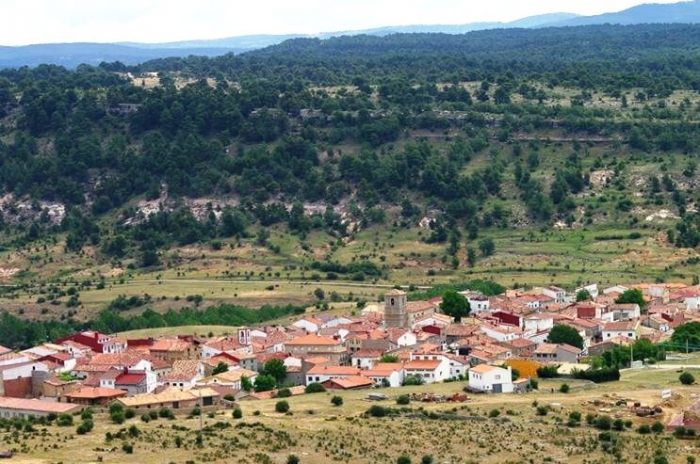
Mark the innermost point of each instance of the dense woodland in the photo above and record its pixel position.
(365, 121)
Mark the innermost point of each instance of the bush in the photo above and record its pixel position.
(84, 427)
(534, 383)
(282, 406)
(547, 372)
(115, 407)
(117, 417)
(314, 387)
(337, 400)
(237, 413)
(166, 413)
(618, 424)
(427, 459)
(657, 427)
(129, 413)
(644, 429)
(564, 388)
(377, 411)
(153, 414)
(542, 410)
(403, 400)
(86, 414)
(605, 374)
(128, 448)
(285, 393)
(686, 378)
(64, 420)
(292, 459)
(494, 413)
(134, 431)
(403, 460)
(603, 423)
(145, 418)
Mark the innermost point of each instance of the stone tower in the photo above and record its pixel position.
(395, 312)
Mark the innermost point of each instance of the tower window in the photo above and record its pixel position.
(392, 302)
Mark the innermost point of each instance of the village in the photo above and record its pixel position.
(496, 349)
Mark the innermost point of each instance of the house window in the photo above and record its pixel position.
(630, 334)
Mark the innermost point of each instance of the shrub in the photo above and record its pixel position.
(644, 429)
(337, 400)
(403, 399)
(427, 459)
(285, 393)
(237, 413)
(128, 448)
(686, 378)
(314, 387)
(547, 372)
(134, 431)
(403, 460)
(64, 420)
(86, 414)
(145, 418)
(679, 431)
(115, 407)
(542, 410)
(657, 427)
(282, 406)
(494, 413)
(84, 427)
(618, 424)
(605, 374)
(564, 388)
(603, 423)
(534, 383)
(153, 414)
(292, 459)
(166, 413)
(575, 416)
(377, 411)
(129, 413)
(117, 417)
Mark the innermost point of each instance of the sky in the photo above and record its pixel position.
(153, 21)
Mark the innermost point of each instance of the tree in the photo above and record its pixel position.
(389, 358)
(220, 368)
(455, 304)
(337, 400)
(264, 382)
(276, 369)
(319, 293)
(631, 296)
(471, 257)
(487, 247)
(583, 295)
(246, 384)
(686, 378)
(565, 334)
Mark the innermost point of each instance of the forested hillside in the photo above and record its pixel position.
(587, 127)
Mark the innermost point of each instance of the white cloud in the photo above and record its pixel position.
(41, 21)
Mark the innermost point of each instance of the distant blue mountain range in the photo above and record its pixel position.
(72, 54)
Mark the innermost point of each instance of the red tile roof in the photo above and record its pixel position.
(130, 379)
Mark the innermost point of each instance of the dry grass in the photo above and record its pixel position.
(319, 433)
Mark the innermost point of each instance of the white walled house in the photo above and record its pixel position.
(502, 333)
(537, 323)
(435, 370)
(391, 374)
(309, 324)
(491, 379)
(555, 293)
(458, 365)
(628, 329)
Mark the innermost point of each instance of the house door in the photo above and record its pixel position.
(498, 388)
